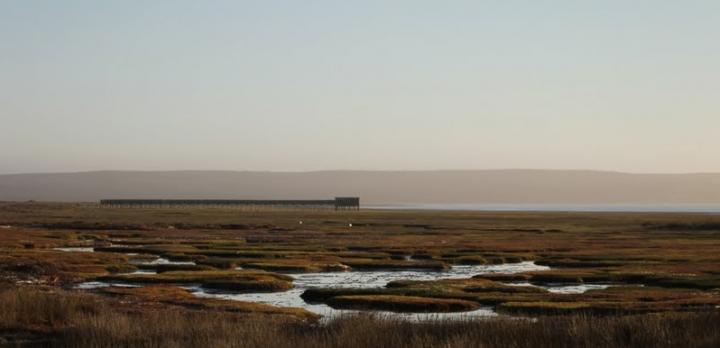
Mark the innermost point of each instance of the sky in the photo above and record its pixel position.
(276, 85)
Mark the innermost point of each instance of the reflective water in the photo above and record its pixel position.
(98, 285)
(76, 249)
(665, 208)
(566, 289)
(374, 279)
(576, 289)
(164, 261)
(365, 280)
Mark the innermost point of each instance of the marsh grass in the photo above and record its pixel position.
(173, 295)
(257, 281)
(62, 319)
(672, 258)
(601, 275)
(162, 268)
(396, 265)
(402, 303)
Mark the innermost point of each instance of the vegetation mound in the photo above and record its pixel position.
(174, 295)
(246, 281)
(401, 303)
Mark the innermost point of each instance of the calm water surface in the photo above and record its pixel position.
(367, 280)
(356, 279)
(640, 208)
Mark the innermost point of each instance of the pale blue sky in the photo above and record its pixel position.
(308, 85)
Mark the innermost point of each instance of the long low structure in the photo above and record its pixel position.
(339, 203)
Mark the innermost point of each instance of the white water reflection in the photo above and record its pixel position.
(291, 298)
(76, 249)
(98, 285)
(371, 279)
(106, 284)
(366, 280)
(575, 289)
(164, 261)
(642, 208)
(564, 288)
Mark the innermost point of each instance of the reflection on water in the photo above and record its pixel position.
(76, 249)
(365, 280)
(641, 208)
(354, 279)
(164, 261)
(373, 279)
(575, 289)
(291, 298)
(98, 285)
(565, 289)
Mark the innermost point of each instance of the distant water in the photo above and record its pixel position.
(645, 208)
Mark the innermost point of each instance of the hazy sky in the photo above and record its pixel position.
(305, 85)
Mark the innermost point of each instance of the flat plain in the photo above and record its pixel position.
(657, 277)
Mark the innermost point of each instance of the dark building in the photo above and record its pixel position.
(339, 203)
(352, 203)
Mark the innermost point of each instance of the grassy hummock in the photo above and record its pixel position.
(174, 295)
(162, 268)
(401, 303)
(366, 265)
(250, 281)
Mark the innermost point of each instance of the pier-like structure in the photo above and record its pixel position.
(339, 203)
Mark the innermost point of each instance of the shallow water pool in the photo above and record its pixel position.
(371, 279)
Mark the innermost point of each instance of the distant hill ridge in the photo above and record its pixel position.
(374, 187)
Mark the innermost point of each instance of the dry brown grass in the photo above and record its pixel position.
(174, 295)
(50, 266)
(64, 319)
(396, 303)
(242, 281)
(582, 248)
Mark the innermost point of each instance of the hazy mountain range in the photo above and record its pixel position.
(374, 187)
